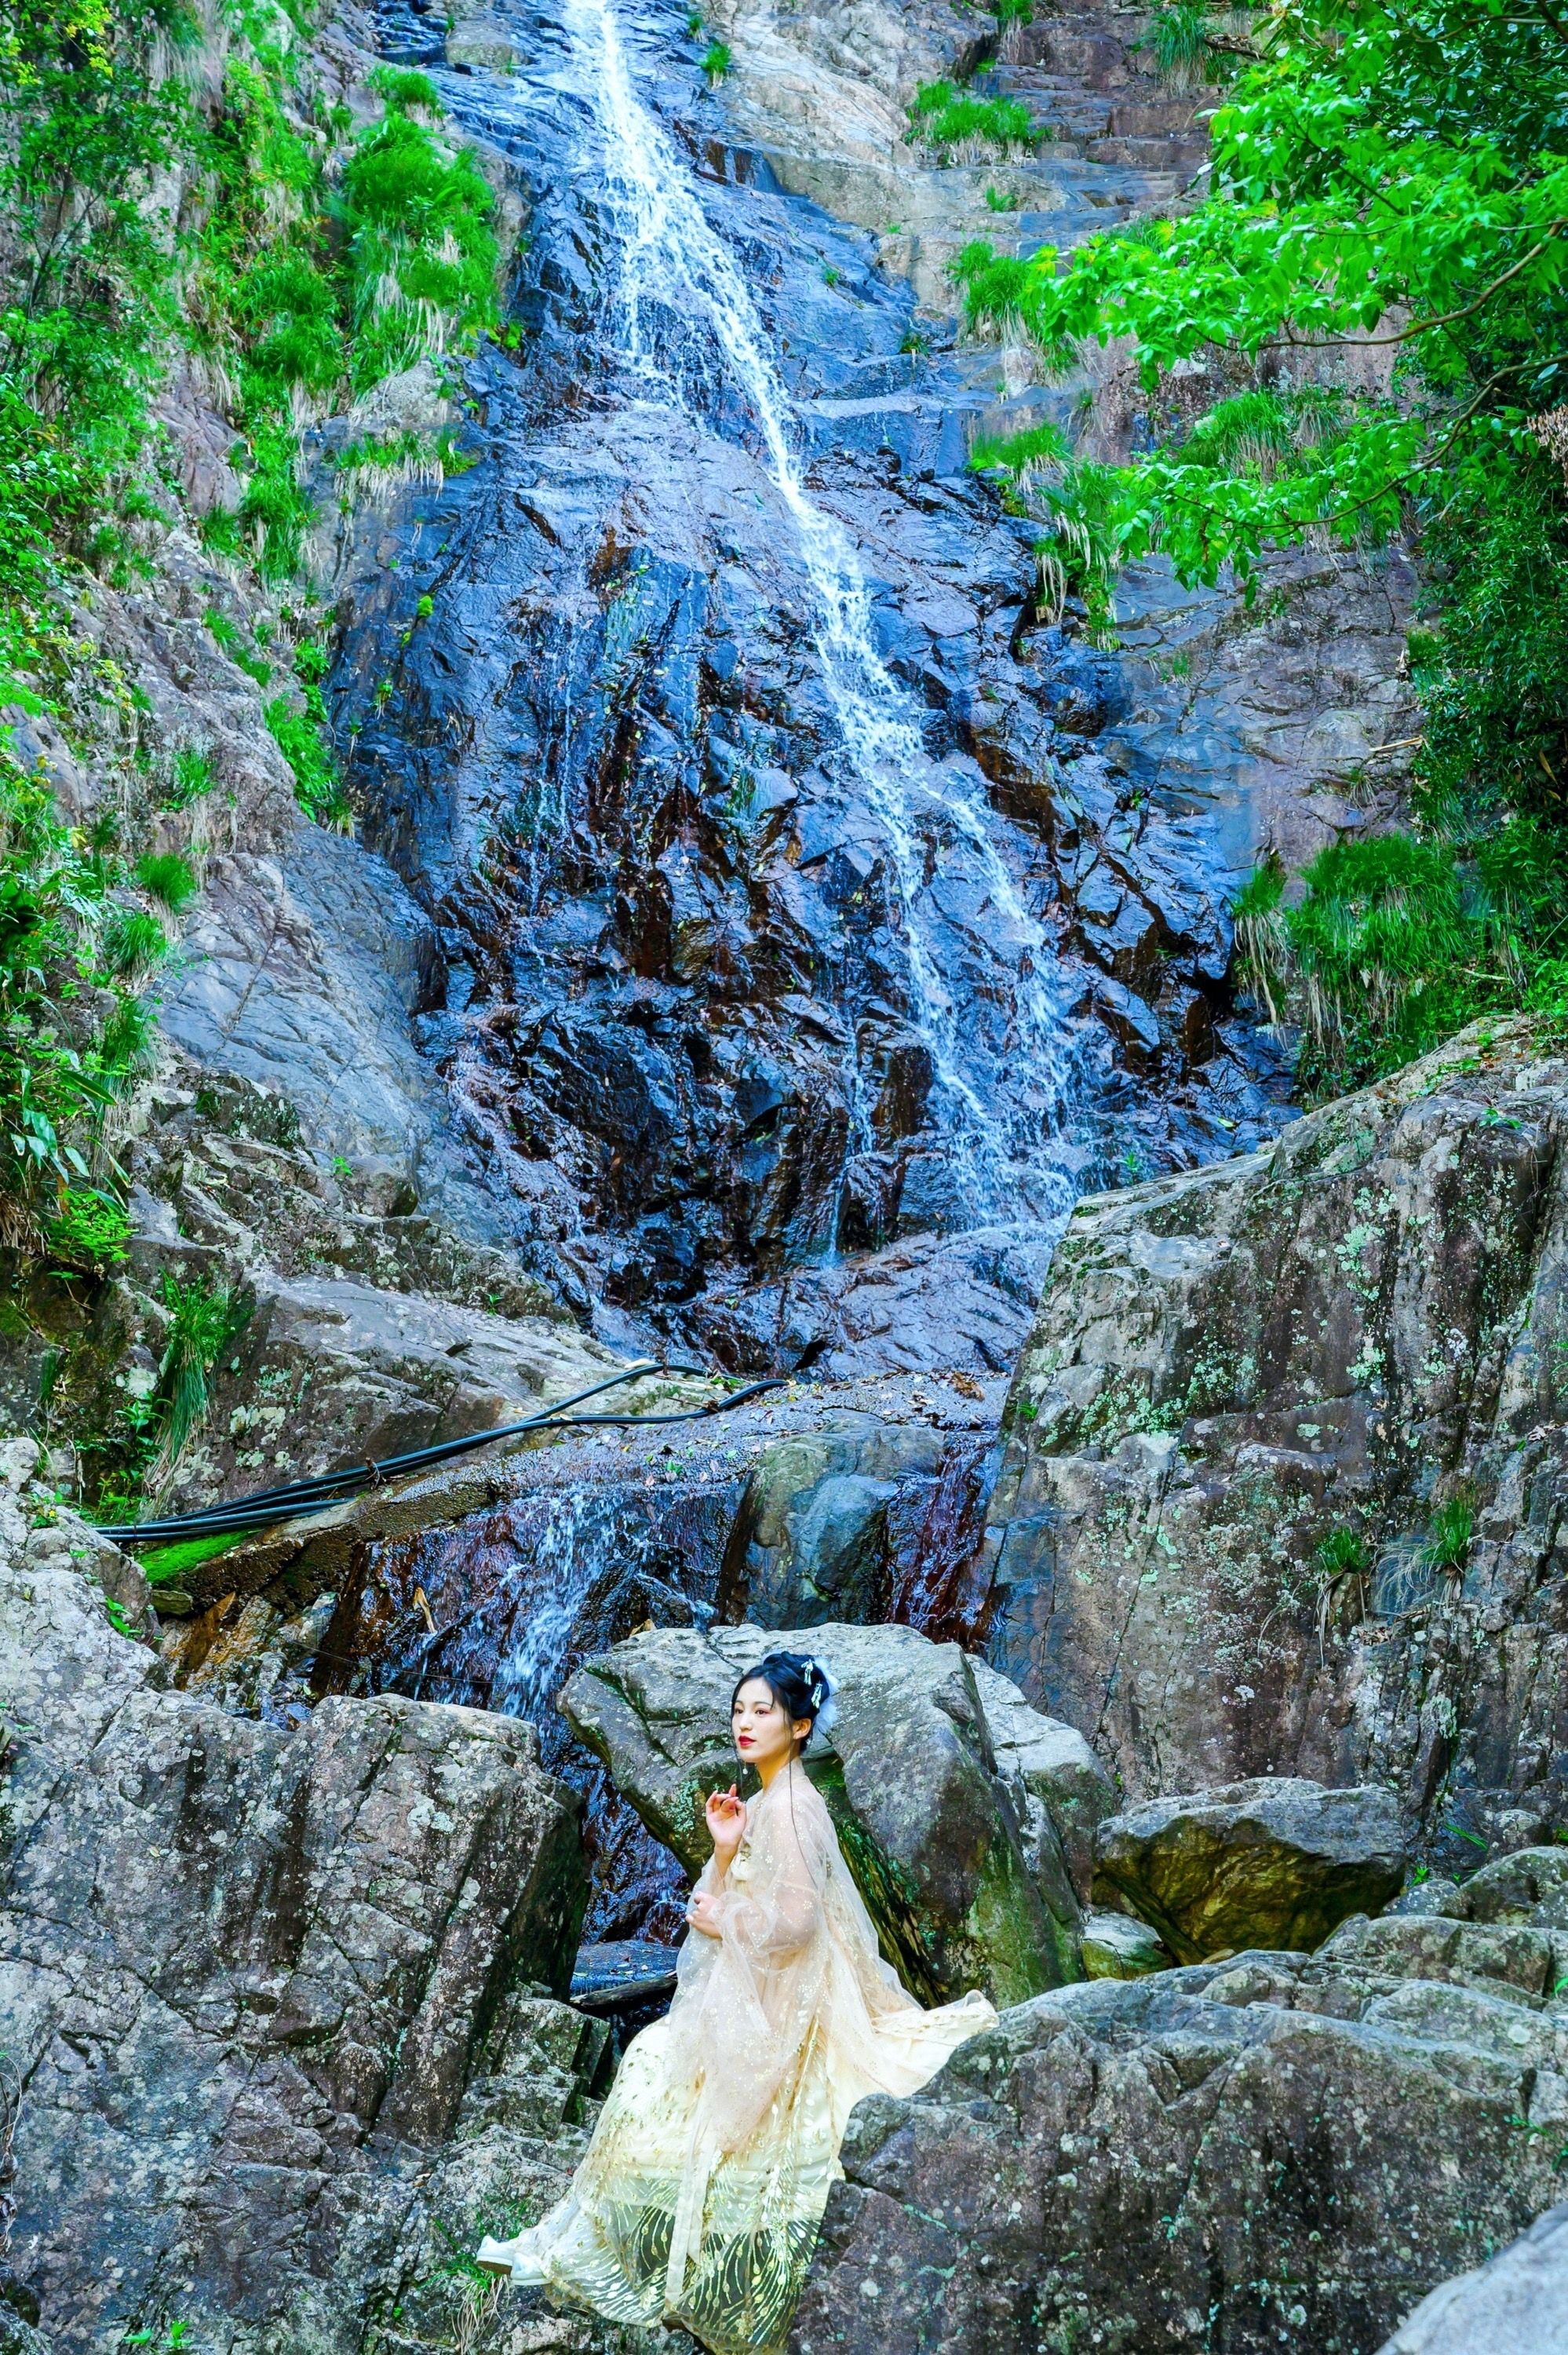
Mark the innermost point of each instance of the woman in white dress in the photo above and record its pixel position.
(699, 2197)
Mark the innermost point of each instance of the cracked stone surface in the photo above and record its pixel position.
(1251, 1397)
(281, 2001)
(1219, 2160)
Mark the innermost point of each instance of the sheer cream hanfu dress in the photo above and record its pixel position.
(700, 2195)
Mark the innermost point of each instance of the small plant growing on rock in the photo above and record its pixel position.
(192, 776)
(168, 877)
(694, 24)
(956, 128)
(1013, 18)
(717, 59)
(1448, 1540)
(204, 1320)
(830, 273)
(1002, 200)
(89, 1231)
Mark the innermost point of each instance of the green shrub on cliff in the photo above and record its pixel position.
(1389, 202)
(302, 266)
(160, 205)
(74, 952)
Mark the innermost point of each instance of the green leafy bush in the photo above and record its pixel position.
(717, 59)
(1390, 180)
(1079, 502)
(89, 1231)
(72, 1028)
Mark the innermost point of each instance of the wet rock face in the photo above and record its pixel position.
(1224, 2159)
(254, 1979)
(510, 1602)
(719, 993)
(1273, 1863)
(947, 1825)
(1282, 1488)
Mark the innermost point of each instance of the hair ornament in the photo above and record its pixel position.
(821, 1690)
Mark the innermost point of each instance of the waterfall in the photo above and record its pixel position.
(682, 304)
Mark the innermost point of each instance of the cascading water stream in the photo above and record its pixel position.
(682, 298)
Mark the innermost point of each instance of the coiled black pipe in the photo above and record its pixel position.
(267, 1507)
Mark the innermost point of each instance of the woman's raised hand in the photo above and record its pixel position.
(726, 1822)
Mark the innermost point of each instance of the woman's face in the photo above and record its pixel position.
(762, 1731)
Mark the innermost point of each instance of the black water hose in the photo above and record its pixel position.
(266, 1506)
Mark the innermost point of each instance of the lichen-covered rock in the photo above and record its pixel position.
(967, 1886)
(1285, 1487)
(1275, 2155)
(1531, 1886)
(268, 1991)
(1114, 1946)
(1270, 1863)
(1516, 2304)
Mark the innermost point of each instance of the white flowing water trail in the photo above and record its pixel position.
(682, 292)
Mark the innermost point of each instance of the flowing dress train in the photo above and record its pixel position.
(699, 2197)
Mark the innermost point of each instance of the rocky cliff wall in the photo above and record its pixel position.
(280, 2003)
(1283, 1481)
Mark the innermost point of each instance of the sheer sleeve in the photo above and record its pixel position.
(772, 1909)
(748, 1998)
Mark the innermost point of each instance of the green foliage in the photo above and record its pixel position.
(1077, 500)
(1340, 1553)
(162, 1564)
(72, 1029)
(1388, 182)
(192, 776)
(422, 254)
(301, 740)
(1449, 1536)
(203, 1321)
(1193, 43)
(89, 1231)
(1399, 941)
(304, 264)
(168, 877)
(1002, 200)
(954, 127)
(717, 59)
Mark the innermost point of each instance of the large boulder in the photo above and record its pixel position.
(1275, 2155)
(1271, 1863)
(1516, 2305)
(1285, 1480)
(943, 1812)
(280, 2000)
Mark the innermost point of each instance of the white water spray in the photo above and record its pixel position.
(676, 267)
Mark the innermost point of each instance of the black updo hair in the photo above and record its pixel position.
(800, 1684)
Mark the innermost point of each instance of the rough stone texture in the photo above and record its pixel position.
(1114, 1946)
(1531, 1886)
(1275, 2155)
(1273, 1863)
(1331, 1339)
(256, 1981)
(954, 1853)
(1515, 2305)
(301, 973)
